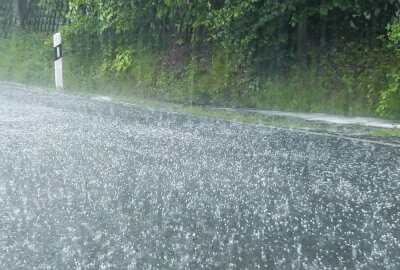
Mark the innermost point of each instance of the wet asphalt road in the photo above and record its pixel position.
(89, 184)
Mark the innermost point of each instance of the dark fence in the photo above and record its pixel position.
(37, 15)
(6, 16)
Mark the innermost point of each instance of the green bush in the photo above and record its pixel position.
(356, 74)
(389, 103)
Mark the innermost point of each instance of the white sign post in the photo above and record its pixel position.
(58, 61)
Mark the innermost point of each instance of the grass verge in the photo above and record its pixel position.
(386, 132)
(26, 58)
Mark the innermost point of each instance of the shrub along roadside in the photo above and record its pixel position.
(389, 102)
(348, 80)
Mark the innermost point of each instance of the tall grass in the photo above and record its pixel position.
(27, 58)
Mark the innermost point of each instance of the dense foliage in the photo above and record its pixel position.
(390, 97)
(235, 49)
(257, 29)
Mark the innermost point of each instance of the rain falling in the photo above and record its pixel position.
(218, 134)
(89, 184)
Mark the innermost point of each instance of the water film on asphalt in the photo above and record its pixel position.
(89, 184)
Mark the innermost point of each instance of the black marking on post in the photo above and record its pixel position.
(57, 52)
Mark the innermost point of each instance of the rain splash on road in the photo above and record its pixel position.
(89, 184)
